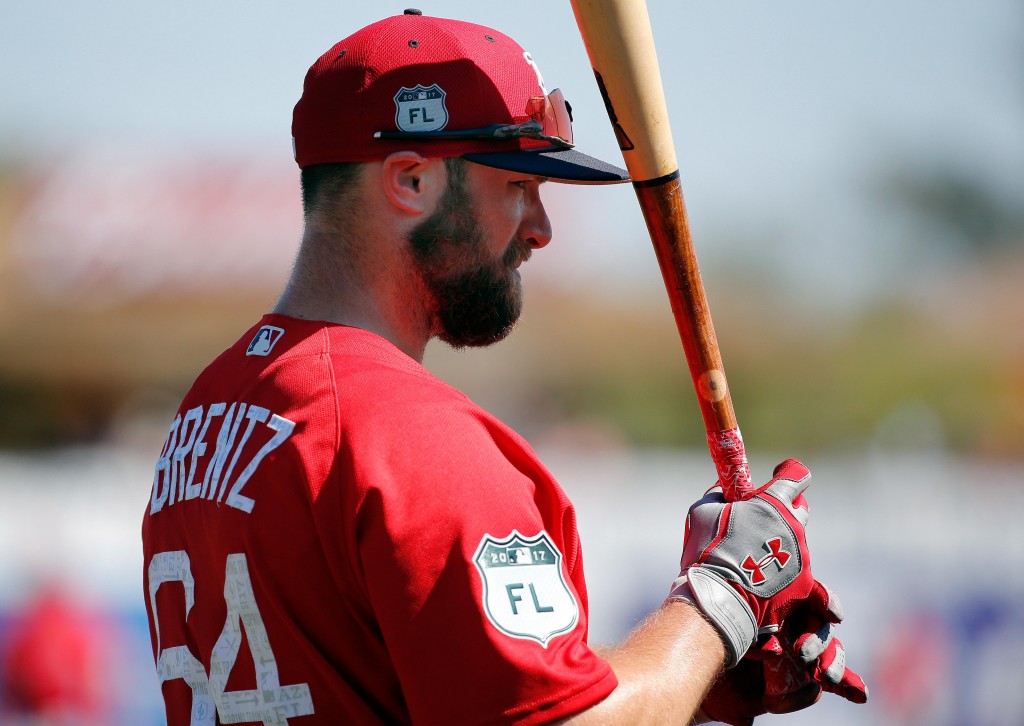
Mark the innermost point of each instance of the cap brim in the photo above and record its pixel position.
(559, 165)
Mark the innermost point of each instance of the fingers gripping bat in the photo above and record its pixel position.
(619, 41)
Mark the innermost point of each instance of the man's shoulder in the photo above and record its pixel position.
(302, 354)
(388, 387)
(355, 377)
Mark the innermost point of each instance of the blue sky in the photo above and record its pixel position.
(782, 112)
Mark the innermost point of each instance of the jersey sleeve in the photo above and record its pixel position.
(470, 558)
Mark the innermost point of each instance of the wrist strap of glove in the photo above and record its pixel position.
(722, 605)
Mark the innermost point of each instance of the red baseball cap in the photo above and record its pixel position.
(442, 88)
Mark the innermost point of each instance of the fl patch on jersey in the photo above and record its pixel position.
(524, 591)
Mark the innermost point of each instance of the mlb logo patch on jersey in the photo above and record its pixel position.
(524, 592)
(265, 340)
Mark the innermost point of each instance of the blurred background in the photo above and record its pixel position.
(855, 181)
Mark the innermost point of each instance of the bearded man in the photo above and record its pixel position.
(336, 536)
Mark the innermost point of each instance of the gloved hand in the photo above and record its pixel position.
(788, 671)
(738, 696)
(745, 564)
(807, 640)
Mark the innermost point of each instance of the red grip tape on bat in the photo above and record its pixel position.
(730, 459)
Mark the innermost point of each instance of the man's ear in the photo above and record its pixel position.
(413, 183)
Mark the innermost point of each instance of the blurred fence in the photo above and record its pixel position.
(926, 552)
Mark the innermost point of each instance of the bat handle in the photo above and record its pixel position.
(665, 213)
(730, 458)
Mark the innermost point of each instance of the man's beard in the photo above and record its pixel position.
(478, 299)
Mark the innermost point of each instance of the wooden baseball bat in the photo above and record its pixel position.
(619, 41)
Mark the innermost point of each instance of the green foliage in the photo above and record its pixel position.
(952, 207)
(894, 376)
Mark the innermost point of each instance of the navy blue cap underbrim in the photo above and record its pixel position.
(559, 165)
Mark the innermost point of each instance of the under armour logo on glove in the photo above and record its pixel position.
(775, 553)
(741, 595)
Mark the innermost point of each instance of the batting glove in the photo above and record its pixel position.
(745, 564)
(808, 639)
(788, 671)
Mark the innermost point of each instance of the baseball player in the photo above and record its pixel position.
(335, 536)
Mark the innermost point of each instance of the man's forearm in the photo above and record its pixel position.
(664, 668)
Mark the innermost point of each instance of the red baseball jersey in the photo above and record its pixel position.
(336, 536)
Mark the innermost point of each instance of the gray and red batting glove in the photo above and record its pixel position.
(745, 564)
(789, 670)
(809, 649)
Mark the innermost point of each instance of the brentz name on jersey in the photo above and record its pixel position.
(180, 472)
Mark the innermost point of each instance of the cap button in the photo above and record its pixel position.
(412, 11)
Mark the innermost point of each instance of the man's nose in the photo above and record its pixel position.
(535, 228)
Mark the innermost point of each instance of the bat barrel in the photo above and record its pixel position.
(620, 43)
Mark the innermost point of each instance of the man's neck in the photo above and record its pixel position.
(387, 302)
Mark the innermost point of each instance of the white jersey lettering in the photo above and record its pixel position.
(184, 455)
(283, 429)
(193, 488)
(192, 417)
(225, 440)
(161, 478)
(255, 414)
